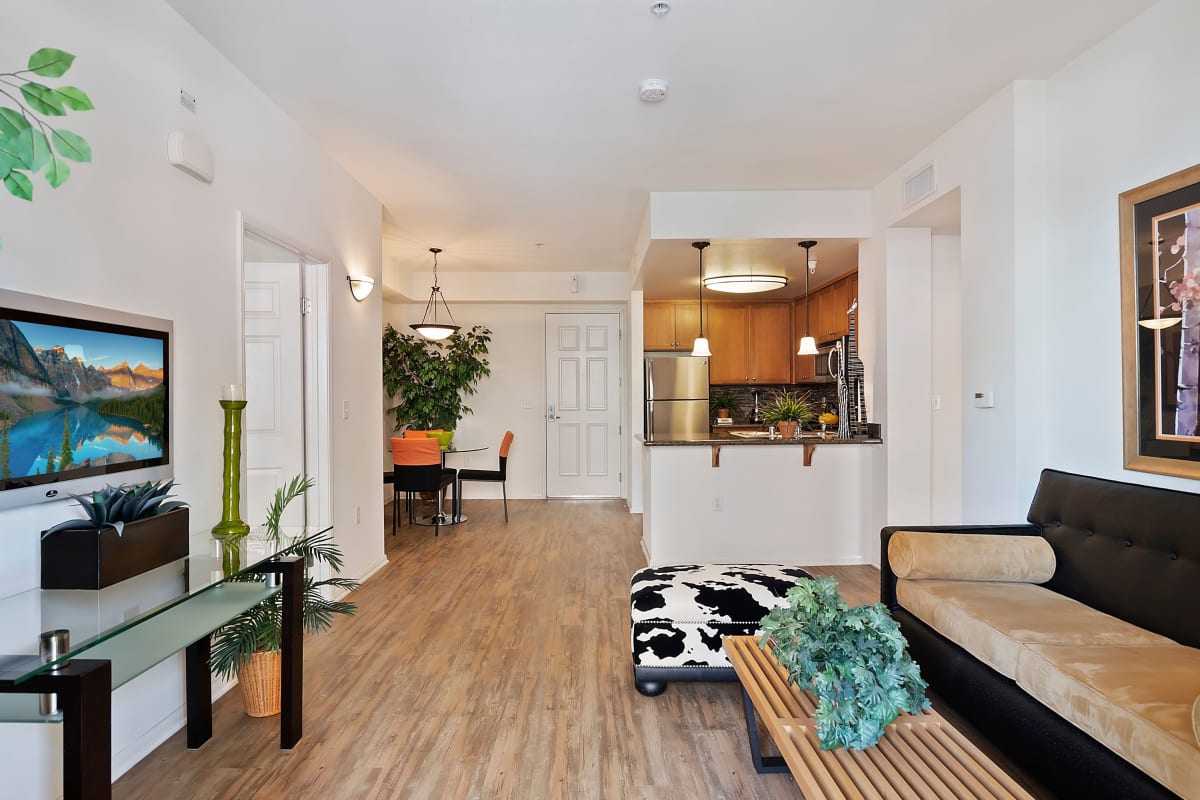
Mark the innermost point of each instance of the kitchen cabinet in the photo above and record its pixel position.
(728, 329)
(805, 368)
(751, 343)
(770, 342)
(832, 301)
(669, 325)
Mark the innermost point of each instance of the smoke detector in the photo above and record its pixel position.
(653, 90)
(660, 9)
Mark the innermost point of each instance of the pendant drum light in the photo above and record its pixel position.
(700, 346)
(431, 328)
(808, 345)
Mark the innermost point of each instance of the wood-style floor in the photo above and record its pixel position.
(491, 662)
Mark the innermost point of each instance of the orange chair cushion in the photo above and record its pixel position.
(506, 443)
(411, 452)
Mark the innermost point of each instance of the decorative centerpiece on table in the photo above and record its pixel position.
(431, 378)
(250, 645)
(231, 530)
(854, 661)
(788, 411)
(128, 530)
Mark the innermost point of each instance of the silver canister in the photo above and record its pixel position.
(53, 645)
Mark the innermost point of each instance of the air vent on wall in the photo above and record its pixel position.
(919, 186)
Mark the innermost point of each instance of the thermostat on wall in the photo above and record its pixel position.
(191, 155)
(985, 399)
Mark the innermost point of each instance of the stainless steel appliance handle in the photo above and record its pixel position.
(829, 362)
(649, 420)
(649, 380)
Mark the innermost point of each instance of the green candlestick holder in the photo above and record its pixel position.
(231, 529)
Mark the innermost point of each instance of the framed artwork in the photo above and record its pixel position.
(1160, 317)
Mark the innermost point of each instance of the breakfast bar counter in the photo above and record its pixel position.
(726, 498)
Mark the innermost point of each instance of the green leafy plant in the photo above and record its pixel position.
(853, 660)
(789, 407)
(432, 378)
(29, 144)
(726, 399)
(115, 506)
(260, 628)
(284, 496)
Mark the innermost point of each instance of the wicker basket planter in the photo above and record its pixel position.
(259, 680)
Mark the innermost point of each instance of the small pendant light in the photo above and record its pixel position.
(700, 346)
(808, 345)
(432, 329)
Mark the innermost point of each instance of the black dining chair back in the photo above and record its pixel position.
(417, 467)
(488, 475)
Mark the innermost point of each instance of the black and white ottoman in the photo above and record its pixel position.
(680, 613)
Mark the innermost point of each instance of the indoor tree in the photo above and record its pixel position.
(430, 379)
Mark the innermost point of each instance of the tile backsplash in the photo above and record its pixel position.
(824, 396)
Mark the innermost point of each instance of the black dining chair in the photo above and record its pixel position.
(488, 475)
(417, 467)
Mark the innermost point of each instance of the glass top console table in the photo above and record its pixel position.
(119, 632)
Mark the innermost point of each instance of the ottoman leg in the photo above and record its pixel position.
(650, 688)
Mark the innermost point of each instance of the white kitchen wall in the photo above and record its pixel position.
(516, 356)
(131, 232)
(1118, 116)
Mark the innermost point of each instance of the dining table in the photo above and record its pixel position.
(441, 517)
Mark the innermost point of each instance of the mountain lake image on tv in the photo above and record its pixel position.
(79, 398)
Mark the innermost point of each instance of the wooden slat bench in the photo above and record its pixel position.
(920, 756)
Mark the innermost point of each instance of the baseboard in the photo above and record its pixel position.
(645, 552)
(161, 731)
(383, 562)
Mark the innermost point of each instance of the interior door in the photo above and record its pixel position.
(274, 417)
(583, 404)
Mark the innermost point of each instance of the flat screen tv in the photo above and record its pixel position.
(85, 398)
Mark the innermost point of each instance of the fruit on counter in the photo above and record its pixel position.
(828, 418)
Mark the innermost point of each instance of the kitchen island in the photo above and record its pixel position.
(738, 499)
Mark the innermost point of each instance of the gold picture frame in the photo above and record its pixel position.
(1160, 324)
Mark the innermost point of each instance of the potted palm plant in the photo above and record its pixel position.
(788, 410)
(249, 646)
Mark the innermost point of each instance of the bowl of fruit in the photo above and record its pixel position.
(826, 419)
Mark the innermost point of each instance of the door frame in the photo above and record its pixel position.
(622, 312)
(316, 406)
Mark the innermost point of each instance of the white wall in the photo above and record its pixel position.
(946, 455)
(1118, 116)
(512, 398)
(132, 233)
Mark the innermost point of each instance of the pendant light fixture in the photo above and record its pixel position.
(745, 284)
(700, 346)
(808, 345)
(432, 329)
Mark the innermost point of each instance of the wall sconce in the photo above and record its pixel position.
(360, 286)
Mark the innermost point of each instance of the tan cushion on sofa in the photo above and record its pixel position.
(1196, 720)
(970, 557)
(1137, 701)
(992, 620)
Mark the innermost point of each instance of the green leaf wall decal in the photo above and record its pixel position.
(71, 145)
(50, 63)
(57, 171)
(12, 122)
(19, 185)
(75, 98)
(43, 99)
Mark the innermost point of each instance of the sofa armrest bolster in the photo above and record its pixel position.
(970, 557)
(887, 577)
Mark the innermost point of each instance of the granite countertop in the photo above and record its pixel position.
(725, 438)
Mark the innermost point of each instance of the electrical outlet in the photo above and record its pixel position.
(937, 402)
(345, 409)
(718, 505)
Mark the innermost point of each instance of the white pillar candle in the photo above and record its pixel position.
(233, 391)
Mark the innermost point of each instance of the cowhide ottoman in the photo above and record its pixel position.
(680, 613)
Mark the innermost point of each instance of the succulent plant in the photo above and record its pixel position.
(114, 506)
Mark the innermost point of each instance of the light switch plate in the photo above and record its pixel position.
(345, 409)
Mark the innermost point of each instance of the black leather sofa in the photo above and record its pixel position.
(1128, 550)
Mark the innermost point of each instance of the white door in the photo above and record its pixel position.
(274, 417)
(583, 404)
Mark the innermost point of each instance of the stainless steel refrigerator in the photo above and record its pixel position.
(676, 398)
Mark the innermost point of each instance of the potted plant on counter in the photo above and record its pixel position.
(787, 411)
(724, 403)
(249, 646)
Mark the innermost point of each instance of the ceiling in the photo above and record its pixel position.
(671, 266)
(486, 128)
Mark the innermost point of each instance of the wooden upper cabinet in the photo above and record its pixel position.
(669, 325)
(831, 304)
(658, 326)
(727, 338)
(806, 369)
(770, 342)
